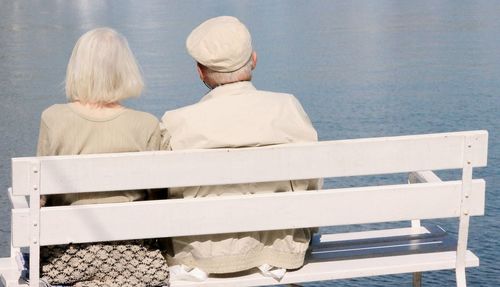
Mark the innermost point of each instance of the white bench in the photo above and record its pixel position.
(338, 256)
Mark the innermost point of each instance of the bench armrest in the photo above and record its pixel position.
(423, 177)
(17, 201)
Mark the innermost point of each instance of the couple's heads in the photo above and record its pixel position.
(103, 70)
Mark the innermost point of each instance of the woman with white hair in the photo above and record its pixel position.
(101, 72)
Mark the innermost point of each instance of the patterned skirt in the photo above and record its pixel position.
(120, 263)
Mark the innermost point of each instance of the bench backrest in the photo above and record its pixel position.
(164, 218)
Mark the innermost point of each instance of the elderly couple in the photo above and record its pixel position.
(102, 71)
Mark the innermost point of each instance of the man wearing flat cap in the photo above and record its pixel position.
(235, 114)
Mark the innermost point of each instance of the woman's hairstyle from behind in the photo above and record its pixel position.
(102, 69)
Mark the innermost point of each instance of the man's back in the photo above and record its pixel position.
(238, 115)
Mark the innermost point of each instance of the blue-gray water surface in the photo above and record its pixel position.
(360, 69)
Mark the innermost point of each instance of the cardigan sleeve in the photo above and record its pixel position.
(165, 137)
(155, 139)
(43, 147)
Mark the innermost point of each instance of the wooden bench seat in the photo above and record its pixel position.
(413, 249)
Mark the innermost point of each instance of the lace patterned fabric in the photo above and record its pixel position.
(137, 263)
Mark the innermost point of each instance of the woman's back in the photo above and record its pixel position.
(101, 72)
(70, 129)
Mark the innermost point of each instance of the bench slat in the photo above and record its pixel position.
(104, 172)
(318, 271)
(165, 218)
(331, 270)
(435, 240)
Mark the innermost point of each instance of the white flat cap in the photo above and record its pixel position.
(222, 44)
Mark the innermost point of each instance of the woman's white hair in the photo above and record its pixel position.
(102, 69)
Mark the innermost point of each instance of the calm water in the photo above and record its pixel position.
(360, 68)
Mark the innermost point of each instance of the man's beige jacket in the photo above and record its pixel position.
(237, 115)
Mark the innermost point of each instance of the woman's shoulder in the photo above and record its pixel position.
(55, 111)
(141, 116)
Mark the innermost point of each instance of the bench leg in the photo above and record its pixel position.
(461, 281)
(417, 279)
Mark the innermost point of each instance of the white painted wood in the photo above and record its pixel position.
(20, 227)
(332, 237)
(7, 263)
(66, 174)
(343, 269)
(151, 219)
(340, 270)
(34, 209)
(17, 201)
(9, 278)
(9, 273)
(423, 176)
(463, 227)
(175, 217)
(415, 223)
(21, 172)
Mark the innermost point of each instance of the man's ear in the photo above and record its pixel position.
(254, 60)
(200, 72)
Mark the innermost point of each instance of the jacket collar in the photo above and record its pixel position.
(229, 89)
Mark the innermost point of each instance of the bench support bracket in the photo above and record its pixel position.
(463, 227)
(34, 262)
